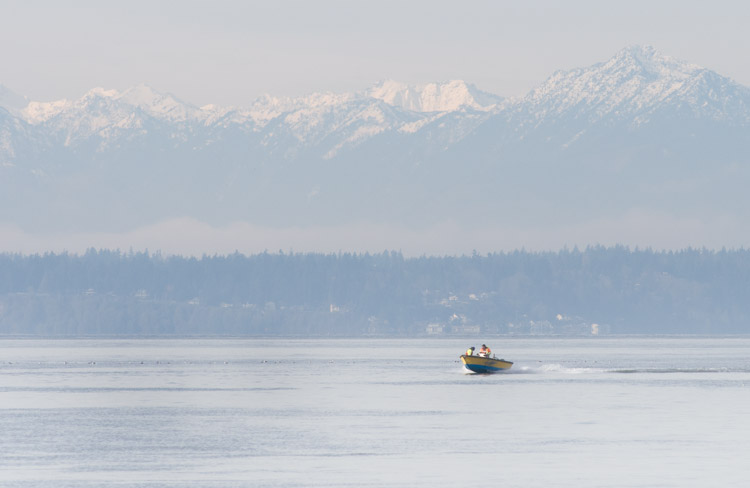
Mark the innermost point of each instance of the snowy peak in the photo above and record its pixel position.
(11, 101)
(158, 105)
(313, 101)
(102, 102)
(433, 97)
(649, 63)
(38, 112)
(144, 98)
(634, 83)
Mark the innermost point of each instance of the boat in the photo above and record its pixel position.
(480, 364)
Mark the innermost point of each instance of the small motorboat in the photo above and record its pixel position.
(482, 364)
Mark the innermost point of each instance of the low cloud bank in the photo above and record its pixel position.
(190, 237)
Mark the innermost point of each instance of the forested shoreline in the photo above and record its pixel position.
(598, 290)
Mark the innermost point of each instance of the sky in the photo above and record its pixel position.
(231, 52)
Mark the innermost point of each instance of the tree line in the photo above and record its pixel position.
(618, 289)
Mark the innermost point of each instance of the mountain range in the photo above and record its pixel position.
(597, 150)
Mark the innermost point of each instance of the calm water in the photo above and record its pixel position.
(597, 412)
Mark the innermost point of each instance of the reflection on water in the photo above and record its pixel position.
(571, 412)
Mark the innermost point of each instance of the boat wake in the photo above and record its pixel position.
(556, 368)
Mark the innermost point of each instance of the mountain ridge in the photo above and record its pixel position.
(633, 81)
(586, 145)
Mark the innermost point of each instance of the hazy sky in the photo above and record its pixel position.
(230, 52)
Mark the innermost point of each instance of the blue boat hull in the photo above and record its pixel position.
(478, 364)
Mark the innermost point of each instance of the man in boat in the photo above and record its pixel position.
(485, 351)
(470, 351)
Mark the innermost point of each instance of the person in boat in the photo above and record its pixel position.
(485, 351)
(470, 351)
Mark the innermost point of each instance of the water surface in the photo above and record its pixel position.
(594, 412)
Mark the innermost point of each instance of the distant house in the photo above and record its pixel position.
(563, 325)
(465, 329)
(435, 329)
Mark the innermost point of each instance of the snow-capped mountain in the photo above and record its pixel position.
(109, 106)
(338, 120)
(635, 83)
(634, 86)
(434, 97)
(640, 129)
